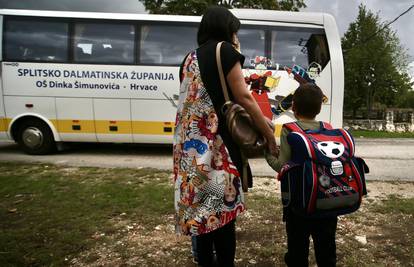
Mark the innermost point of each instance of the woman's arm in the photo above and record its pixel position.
(243, 97)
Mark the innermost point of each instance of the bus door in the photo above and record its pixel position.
(107, 47)
(153, 120)
(113, 120)
(75, 119)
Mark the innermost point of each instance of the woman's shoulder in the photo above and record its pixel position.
(211, 45)
(229, 55)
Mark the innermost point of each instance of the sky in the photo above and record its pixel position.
(345, 11)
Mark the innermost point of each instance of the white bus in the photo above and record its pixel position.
(106, 77)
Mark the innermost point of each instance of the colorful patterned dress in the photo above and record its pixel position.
(208, 191)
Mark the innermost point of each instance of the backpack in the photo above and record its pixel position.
(323, 177)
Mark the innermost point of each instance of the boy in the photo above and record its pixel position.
(307, 102)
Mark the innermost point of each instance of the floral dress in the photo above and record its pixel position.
(208, 191)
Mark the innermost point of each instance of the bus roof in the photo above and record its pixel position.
(279, 16)
(242, 14)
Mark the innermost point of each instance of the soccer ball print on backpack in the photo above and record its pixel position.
(323, 178)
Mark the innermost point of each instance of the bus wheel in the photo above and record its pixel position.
(36, 138)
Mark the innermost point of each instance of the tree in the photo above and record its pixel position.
(197, 7)
(376, 64)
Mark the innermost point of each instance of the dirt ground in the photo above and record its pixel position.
(376, 239)
(376, 189)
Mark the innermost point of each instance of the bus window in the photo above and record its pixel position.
(36, 40)
(299, 47)
(252, 44)
(166, 45)
(104, 43)
(317, 48)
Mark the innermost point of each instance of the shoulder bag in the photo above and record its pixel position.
(240, 124)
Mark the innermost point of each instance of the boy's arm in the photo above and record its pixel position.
(285, 153)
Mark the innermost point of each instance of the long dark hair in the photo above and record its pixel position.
(218, 24)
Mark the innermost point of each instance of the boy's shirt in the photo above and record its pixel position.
(285, 153)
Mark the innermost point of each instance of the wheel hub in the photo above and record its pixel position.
(32, 137)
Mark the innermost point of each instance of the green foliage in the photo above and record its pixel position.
(197, 7)
(406, 100)
(376, 64)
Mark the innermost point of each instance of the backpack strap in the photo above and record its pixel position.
(299, 132)
(350, 141)
(294, 128)
(325, 125)
(286, 168)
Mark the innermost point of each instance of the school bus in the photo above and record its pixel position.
(107, 77)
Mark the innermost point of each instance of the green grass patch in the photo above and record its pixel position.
(48, 213)
(272, 204)
(395, 204)
(380, 134)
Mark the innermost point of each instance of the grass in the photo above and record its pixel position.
(380, 134)
(261, 233)
(395, 205)
(48, 214)
(58, 216)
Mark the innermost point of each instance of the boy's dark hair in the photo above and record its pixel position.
(307, 100)
(218, 24)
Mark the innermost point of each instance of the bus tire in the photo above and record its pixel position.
(36, 138)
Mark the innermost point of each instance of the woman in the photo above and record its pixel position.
(207, 162)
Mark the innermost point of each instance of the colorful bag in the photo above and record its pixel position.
(323, 178)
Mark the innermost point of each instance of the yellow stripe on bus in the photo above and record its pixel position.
(3, 125)
(75, 126)
(153, 127)
(114, 127)
(106, 126)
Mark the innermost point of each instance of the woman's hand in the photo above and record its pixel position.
(272, 148)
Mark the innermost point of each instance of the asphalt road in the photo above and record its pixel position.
(388, 159)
